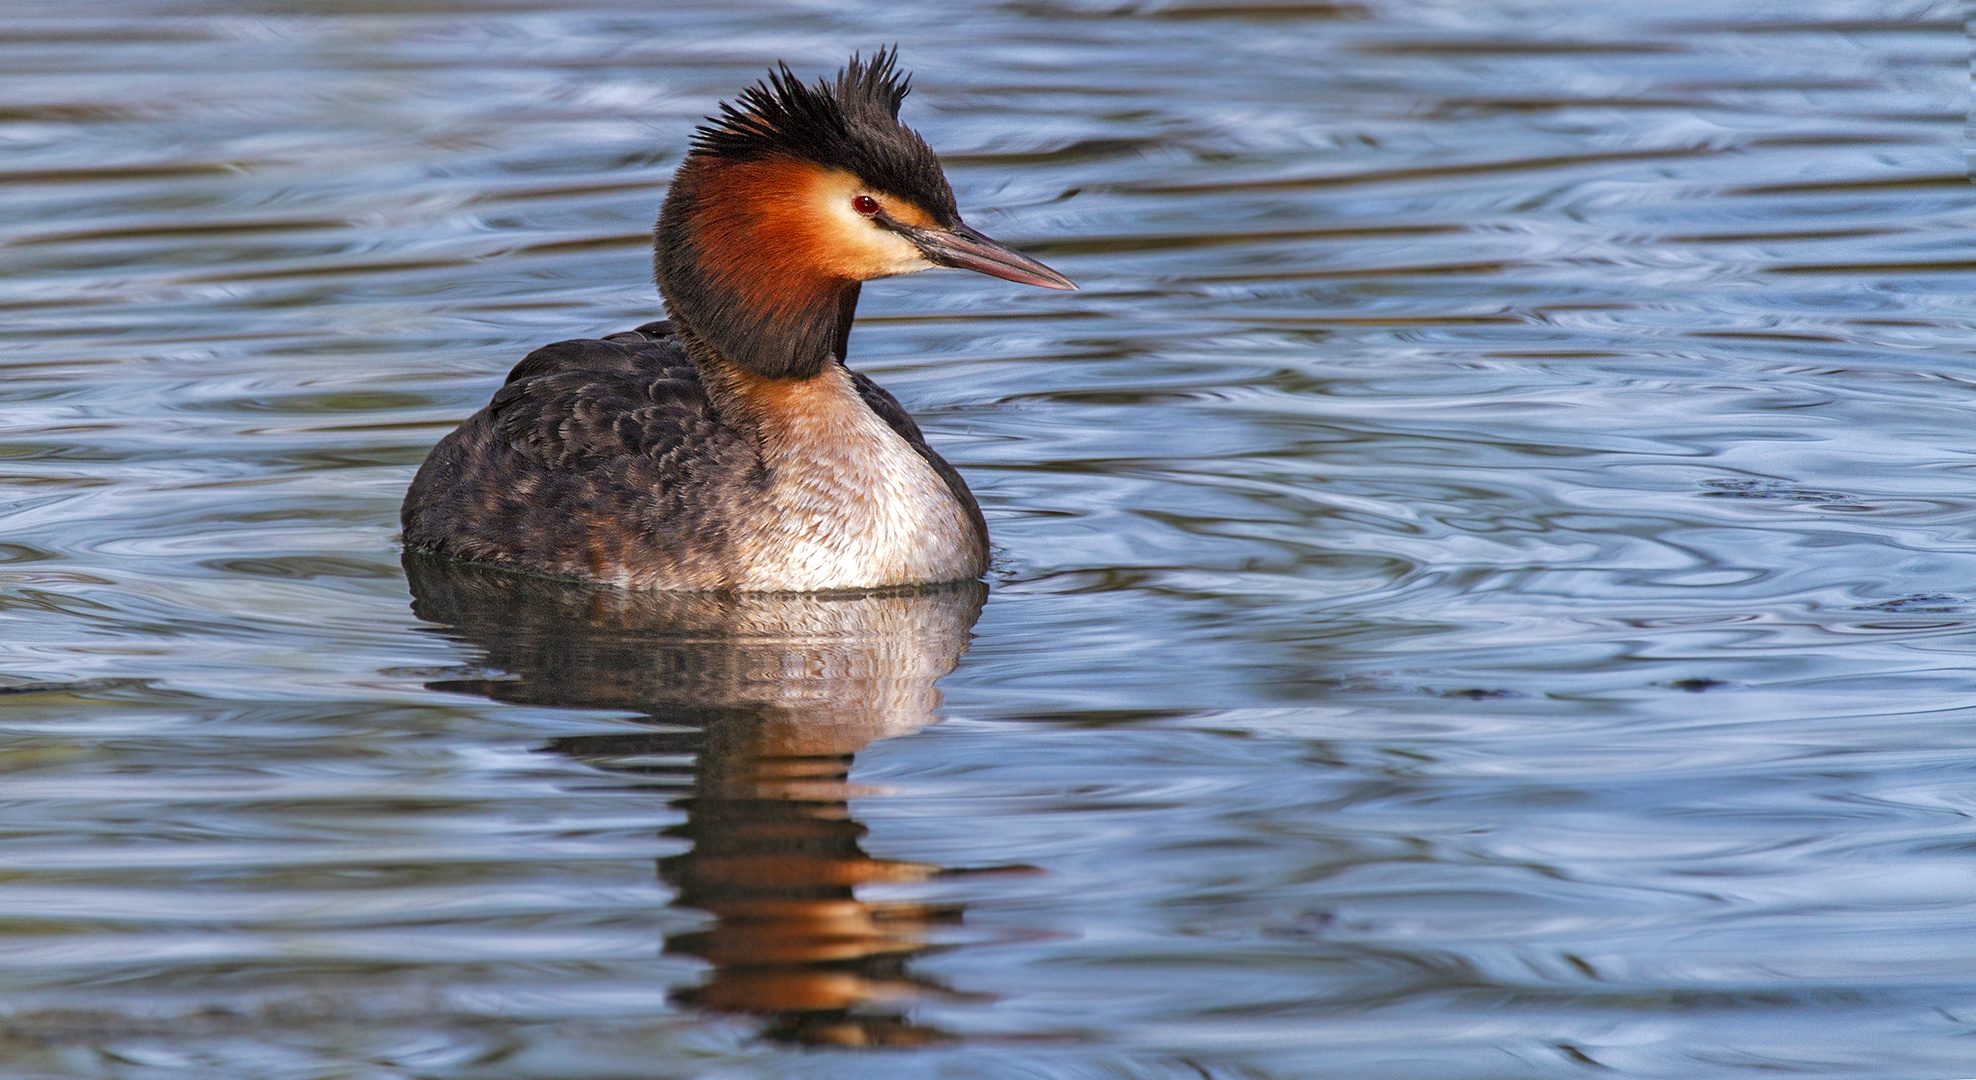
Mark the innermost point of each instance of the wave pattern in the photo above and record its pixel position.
(1484, 582)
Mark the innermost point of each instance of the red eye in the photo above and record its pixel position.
(865, 204)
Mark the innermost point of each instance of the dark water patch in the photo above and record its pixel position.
(1930, 602)
(1188, 12)
(135, 171)
(1081, 150)
(1473, 168)
(642, 241)
(1771, 491)
(162, 230)
(1518, 47)
(1697, 685)
(1921, 24)
(1874, 183)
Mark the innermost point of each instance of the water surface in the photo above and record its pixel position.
(1483, 578)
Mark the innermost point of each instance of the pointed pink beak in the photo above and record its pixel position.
(964, 249)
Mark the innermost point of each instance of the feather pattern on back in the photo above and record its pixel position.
(606, 460)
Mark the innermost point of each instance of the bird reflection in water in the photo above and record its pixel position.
(773, 693)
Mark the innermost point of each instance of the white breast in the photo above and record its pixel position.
(854, 505)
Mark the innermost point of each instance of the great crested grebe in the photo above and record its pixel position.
(729, 448)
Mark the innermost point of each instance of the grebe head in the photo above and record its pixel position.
(790, 198)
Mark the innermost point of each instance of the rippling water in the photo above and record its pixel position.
(1484, 583)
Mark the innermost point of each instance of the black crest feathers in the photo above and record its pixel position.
(851, 123)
